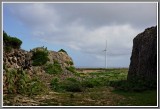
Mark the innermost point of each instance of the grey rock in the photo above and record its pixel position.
(143, 63)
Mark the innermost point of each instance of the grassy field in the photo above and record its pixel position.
(94, 89)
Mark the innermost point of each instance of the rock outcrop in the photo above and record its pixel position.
(21, 59)
(143, 63)
(17, 58)
(61, 57)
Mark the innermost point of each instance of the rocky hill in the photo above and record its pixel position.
(39, 65)
(21, 59)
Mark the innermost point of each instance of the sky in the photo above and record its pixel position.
(82, 29)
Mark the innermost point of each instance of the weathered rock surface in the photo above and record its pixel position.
(19, 58)
(144, 56)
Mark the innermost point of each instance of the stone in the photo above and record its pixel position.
(14, 59)
(143, 63)
(16, 66)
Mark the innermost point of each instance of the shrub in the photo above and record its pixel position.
(55, 84)
(71, 69)
(18, 82)
(36, 87)
(87, 84)
(94, 82)
(10, 80)
(40, 57)
(70, 85)
(61, 50)
(11, 42)
(7, 49)
(69, 62)
(54, 68)
(22, 82)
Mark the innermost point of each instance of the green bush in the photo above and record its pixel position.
(71, 69)
(22, 82)
(74, 85)
(69, 62)
(7, 49)
(87, 84)
(55, 84)
(40, 57)
(11, 42)
(36, 87)
(94, 82)
(61, 50)
(71, 85)
(10, 80)
(18, 82)
(54, 68)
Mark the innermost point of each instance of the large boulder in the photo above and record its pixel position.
(143, 65)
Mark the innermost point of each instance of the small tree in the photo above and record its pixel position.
(62, 50)
(11, 42)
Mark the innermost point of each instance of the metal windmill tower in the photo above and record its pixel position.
(106, 55)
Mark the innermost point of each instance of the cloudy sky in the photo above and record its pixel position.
(81, 28)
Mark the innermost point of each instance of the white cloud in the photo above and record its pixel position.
(119, 38)
(86, 27)
(36, 16)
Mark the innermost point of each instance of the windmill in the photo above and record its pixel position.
(105, 55)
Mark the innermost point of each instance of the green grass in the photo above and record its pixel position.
(18, 82)
(70, 85)
(36, 87)
(55, 84)
(145, 98)
(96, 89)
(102, 96)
